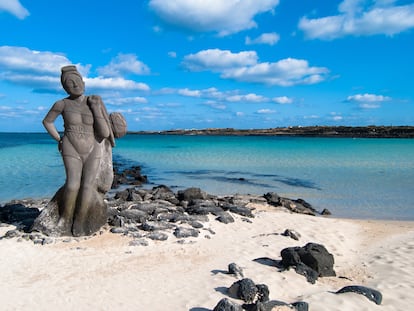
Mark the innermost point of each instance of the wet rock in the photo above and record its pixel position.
(326, 212)
(272, 198)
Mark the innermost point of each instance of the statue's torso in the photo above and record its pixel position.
(78, 122)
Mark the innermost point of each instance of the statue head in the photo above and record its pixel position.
(72, 81)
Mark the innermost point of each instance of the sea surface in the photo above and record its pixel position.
(353, 178)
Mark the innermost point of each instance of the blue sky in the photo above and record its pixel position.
(181, 64)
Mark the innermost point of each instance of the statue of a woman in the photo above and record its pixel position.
(87, 135)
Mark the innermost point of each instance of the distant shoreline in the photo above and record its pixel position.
(304, 131)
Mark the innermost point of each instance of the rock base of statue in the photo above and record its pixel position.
(47, 221)
(96, 216)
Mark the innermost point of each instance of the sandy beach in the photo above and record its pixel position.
(105, 272)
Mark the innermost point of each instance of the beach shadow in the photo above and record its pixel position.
(214, 272)
(222, 290)
(199, 309)
(269, 262)
(19, 215)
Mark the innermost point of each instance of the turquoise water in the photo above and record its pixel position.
(357, 178)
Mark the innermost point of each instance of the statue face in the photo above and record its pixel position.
(74, 85)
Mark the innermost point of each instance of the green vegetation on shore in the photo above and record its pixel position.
(309, 131)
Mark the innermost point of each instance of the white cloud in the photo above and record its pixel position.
(266, 111)
(247, 98)
(368, 98)
(216, 60)
(115, 84)
(223, 96)
(244, 66)
(286, 72)
(282, 100)
(265, 38)
(189, 93)
(222, 17)
(337, 118)
(14, 7)
(124, 64)
(216, 105)
(119, 101)
(172, 54)
(312, 117)
(361, 18)
(41, 69)
(369, 106)
(22, 59)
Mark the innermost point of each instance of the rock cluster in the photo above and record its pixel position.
(254, 296)
(160, 212)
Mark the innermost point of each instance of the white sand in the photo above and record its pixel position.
(105, 273)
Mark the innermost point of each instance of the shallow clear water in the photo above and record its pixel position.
(359, 178)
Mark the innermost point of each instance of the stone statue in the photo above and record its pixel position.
(78, 208)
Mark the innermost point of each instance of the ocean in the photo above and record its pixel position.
(353, 178)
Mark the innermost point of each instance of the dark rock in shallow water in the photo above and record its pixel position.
(326, 212)
(298, 206)
(272, 198)
(129, 176)
(370, 293)
(227, 305)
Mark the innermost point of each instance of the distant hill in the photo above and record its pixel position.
(308, 131)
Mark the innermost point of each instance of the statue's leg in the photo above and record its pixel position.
(87, 193)
(73, 167)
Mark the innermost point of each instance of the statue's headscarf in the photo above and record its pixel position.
(66, 71)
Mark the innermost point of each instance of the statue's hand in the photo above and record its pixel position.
(94, 102)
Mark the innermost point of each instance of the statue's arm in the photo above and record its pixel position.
(101, 125)
(49, 120)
